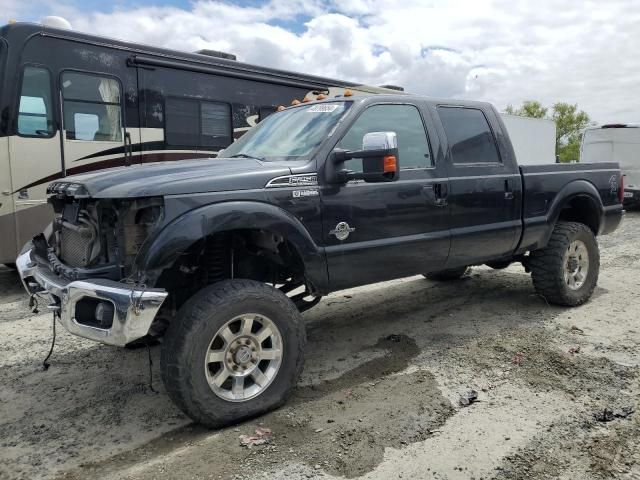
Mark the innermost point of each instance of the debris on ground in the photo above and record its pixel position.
(624, 412)
(574, 350)
(577, 330)
(468, 398)
(608, 415)
(517, 358)
(394, 338)
(261, 437)
(604, 416)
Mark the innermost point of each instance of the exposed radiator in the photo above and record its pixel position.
(76, 245)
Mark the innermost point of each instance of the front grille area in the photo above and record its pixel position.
(76, 245)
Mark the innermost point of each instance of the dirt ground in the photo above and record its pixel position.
(379, 397)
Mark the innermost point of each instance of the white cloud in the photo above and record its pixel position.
(503, 51)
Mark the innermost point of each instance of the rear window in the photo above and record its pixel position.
(469, 135)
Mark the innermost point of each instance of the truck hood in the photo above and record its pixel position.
(175, 178)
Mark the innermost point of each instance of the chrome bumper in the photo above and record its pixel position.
(134, 307)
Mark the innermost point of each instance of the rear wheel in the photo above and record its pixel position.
(448, 275)
(565, 272)
(235, 351)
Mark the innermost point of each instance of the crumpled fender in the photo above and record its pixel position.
(176, 237)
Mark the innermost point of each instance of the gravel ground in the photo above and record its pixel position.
(379, 397)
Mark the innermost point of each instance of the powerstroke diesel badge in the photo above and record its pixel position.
(342, 231)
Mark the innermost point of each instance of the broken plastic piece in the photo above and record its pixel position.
(468, 398)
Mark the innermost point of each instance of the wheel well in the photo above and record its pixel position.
(582, 209)
(253, 254)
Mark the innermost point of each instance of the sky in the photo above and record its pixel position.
(502, 51)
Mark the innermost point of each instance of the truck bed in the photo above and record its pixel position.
(546, 186)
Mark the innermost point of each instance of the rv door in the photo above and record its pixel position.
(34, 152)
(7, 220)
(94, 136)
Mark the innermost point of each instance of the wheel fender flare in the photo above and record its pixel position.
(182, 232)
(572, 190)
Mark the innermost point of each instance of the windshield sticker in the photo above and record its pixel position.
(325, 108)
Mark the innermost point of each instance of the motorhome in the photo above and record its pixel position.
(72, 102)
(616, 143)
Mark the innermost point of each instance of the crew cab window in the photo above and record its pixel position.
(91, 107)
(405, 120)
(469, 135)
(35, 112)
(195, 123)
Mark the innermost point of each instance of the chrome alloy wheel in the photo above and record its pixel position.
(243, 357)
(576, 264)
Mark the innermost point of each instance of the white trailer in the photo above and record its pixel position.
(616, 143)
(533, 139)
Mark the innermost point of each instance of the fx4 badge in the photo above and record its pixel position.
(342, 231)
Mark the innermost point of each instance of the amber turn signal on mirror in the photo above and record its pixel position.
(390, 164)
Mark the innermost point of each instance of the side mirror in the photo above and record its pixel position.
(379, 156)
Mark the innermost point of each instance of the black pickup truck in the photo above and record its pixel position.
(218, 257)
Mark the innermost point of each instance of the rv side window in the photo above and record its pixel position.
(35, 114)
(91, 107)
(215, 124)
(264, 112)
(196, 123)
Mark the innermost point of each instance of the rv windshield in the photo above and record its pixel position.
(289, 135)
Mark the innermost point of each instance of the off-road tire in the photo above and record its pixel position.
(448, 275)
(187, 340)
(547, 265)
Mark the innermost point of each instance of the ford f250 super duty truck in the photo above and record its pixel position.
(218, 257)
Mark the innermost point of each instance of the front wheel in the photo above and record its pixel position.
(235, 351)
(565, 272)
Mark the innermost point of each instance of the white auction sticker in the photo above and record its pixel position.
(323, 108)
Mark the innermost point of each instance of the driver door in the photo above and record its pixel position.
(379, 231)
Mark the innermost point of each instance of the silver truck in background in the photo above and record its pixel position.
(616, 143)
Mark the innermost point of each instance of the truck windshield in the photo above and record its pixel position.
(289, 135)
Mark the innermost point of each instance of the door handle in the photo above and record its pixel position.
(508, 190)
(436, 194)
(128, 150)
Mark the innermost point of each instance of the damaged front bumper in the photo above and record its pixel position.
(103, 310)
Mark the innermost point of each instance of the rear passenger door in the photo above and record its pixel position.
(485, 187)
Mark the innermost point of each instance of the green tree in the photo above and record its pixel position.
(570, 122)
(529, 108)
